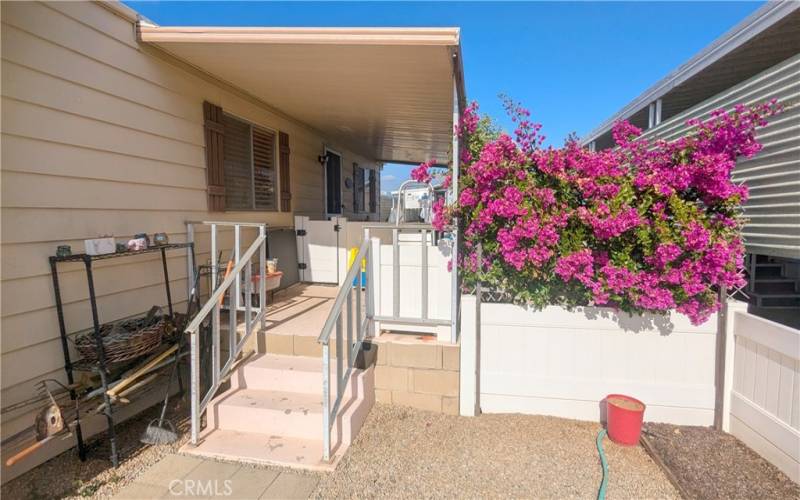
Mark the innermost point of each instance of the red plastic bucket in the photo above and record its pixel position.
(624, 415)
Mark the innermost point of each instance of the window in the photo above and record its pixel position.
(364, 181)
(359, 189)
(250, 166)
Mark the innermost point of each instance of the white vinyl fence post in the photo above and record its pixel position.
(734, 306)
(468, 383)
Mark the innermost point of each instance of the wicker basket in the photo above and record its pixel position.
(123, 340)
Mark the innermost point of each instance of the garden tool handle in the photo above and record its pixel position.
(27, 451)
(227, 272)
(141, 371)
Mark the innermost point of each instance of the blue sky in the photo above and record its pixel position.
(573, 64)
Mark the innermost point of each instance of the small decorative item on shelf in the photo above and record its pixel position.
(101, 245)
(63, 251)
(160, 239)
(122, 247)
(137, 244)
(272, 266)
(144, 237)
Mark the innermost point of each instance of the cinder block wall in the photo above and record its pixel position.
(423, 374)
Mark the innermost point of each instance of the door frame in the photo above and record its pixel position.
(325, 183)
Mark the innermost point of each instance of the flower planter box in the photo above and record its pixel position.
(563, 363)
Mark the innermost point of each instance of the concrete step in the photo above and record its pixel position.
(768, 271)
(272, 413)
(776, 300)
(263, 449)
(280, 413)
(775, 286)
(299, 374)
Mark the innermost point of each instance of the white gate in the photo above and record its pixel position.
(321, 249)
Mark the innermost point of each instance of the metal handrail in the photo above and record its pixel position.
(232, 283)
(344, 290)
(344, 298)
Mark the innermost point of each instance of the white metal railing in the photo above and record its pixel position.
(239, 276)
(344, 299)
(427, 237)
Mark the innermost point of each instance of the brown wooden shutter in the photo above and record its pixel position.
(285, 180)
(215, 171)
(373, 190)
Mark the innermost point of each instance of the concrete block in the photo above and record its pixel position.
(450, 405)
(451, 357)
(391, 378)
(383, 395)
(280, 344)
(422, 355)
(308, 346)
(429, 402)
(441, 382)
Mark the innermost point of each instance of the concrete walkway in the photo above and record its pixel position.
(184, 476)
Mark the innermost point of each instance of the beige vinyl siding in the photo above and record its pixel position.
(103, 136)
(773, 175)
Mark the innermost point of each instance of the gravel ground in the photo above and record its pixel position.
(401, 453)
(65, 476)
(405, 453)
(709, 464)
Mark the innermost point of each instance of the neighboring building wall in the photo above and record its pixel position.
(773, 175)
(101, 135)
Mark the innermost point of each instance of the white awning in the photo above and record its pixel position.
(389, 92)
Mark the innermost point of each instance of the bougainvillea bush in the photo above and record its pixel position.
(648, 226)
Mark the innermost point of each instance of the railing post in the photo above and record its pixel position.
(326, 402)
(194, 390)
(215, 315)
(262, 276)
(359, 291)
(237, 236)
(371, 288)
(339, 356)
(190, 265)
(424, 273)
(235, 295)
(248, 299)
(395, 273)
(349, 306)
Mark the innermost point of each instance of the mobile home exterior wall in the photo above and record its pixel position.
(102, 135)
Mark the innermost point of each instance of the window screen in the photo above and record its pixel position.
(249, 159)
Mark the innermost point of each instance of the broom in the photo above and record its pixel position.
(160, 430)
(157, 432)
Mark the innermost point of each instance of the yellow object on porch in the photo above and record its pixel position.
(350, 259)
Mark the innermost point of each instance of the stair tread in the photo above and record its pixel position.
(287, 402)
(262, 449)
(286, 362)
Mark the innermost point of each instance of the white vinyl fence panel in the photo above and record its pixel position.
(765, 400)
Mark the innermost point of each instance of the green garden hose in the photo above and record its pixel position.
(601, 493)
